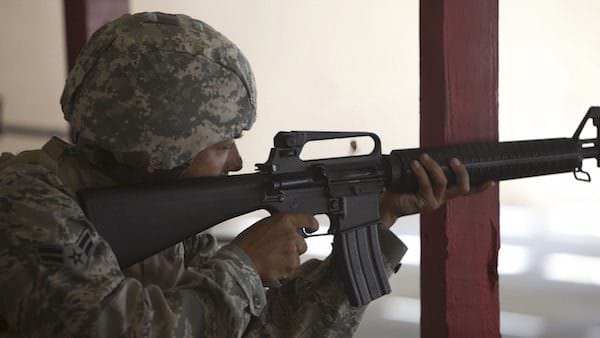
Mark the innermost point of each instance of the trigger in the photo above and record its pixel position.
(302, 232)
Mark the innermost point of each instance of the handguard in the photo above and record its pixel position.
(500, 161)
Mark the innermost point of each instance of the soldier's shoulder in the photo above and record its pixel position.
(34, 200)
(41, 222)
(23, 172)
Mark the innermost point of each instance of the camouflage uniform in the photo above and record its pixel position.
(59, 278)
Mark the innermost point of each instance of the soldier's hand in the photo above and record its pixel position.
(433, 190)
(274, 244)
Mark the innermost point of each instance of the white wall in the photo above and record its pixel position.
(330, 66)
(321, 65)
(32, 67)
(549, 76)
(353, 65)
(327, 65)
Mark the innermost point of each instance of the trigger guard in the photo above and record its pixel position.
(302, 232)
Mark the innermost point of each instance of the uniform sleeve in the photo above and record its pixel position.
(166, 268)
(60, 279)
(314, 304)
(199, 248)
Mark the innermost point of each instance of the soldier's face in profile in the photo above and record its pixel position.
(218, 159)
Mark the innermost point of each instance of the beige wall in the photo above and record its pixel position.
(329, 66)
(549, 76)
(32, 67)
(321, 65)
(353, 65)
(357, 72)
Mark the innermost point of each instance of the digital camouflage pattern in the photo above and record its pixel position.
(59, 278)
(155, 88)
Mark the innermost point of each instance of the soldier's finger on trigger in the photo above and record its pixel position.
(305, 221)
(312, 224)
(301, 245)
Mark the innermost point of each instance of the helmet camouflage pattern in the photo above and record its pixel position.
(155, 89)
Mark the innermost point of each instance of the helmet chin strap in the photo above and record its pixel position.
(126, 174)
(166, 175)
(132, 175)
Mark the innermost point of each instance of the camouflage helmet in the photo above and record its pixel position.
(155, 89)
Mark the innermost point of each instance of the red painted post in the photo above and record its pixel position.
(459, 103)
(84, 17)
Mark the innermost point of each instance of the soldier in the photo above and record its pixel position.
(155, 96)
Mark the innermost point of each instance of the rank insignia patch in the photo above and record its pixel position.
(74, 255)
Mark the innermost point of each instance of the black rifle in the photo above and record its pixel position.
(139, 221)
